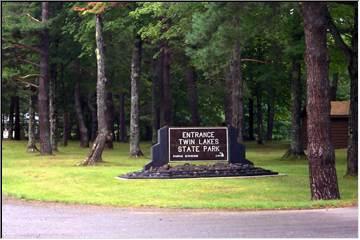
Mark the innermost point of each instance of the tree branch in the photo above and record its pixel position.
(35, 49)
(32, 18)
(20, 45)
(28, 84)
(337, 36)
(27, 61)
(29, 76)
(253, 60)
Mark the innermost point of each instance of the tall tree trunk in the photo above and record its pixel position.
(271, 115)
(43, 92)
(259, 117)
(11, 118)
(228, 96)
(160, 71)
(92, 108)
(2, 126)
(334, 86)
(83, 131)
(77, 132)
(155, 97)
(110, 119)
(135, 150)
(148, 133)
(323, 179)
(352, 153)
(122, 120)
(31, 146)
(52, 109)
(351, 53)
(237, 120)
(251, 119)
(65, 127)
(17, 118)
(103, 133)
(117, 134)
(192, 95)
(166, 90)
(297, 146)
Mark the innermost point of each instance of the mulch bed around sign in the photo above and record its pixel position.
(199, 171)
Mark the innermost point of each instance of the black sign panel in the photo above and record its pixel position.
(195, 144)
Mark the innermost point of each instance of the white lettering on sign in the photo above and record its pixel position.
(198, 143)
(198, 134)
(188, 149)
(187, 141)
(208, 141)
(211, 148)
(203, 138)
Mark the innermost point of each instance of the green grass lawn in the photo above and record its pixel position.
(57, 178)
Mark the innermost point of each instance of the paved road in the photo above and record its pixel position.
(50, 220)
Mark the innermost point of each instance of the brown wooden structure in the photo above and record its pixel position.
(339, 117)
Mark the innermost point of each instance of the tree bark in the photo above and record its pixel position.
(122, 121)
(237, 120)
(166, 90)
(352, 152)
(148, 133)
(160, 75)
(271, 115)
(17, 128)
(334, 85)
(251, 119)
(110, 119)
(351, 54)
(31, 146)
(321, 155)
(65, 127)
(228, 96)
(77, 132)
(192, 95)
(103, 133)
(83, 131)
(52, 109)
(43, 91)
(117, 134)
(11, 118)
(296, 147)
(92, 108)
(135, 150)
(155, 97)
(2, 125)
(259, 117)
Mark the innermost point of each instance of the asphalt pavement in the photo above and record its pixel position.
(23, 219)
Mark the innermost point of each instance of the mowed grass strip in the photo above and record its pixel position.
(57, 178)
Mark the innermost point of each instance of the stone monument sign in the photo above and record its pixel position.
(196, 144)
